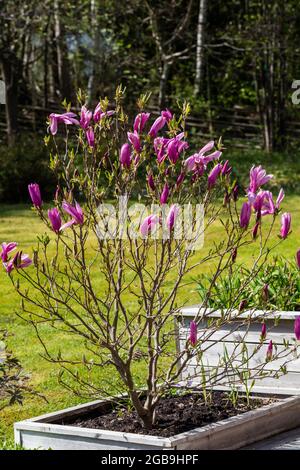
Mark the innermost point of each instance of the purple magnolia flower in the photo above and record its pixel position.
(90, 137)
(99, 114)
(66, 118)
(125, 155)
(172, 150)
(279, 199)
(255, 230)
(19, 261)
(213, 175)
(149, 224)
(200, 159)
(285, 224)
(165, 194)
(85, 117)
(263, 331)
(75, 212)
(269, 351)
(180, 179)
(257, 200)
(193, 333)
(160, 147)
(166, 113)
(134, 139)
(140, 121)
(235, 192)
(35, 195)
(233, 255)
(171, 217)
(150, 181)
(297, 327)
(245, 215)
(157, 126)
(55, 220)
(258, 177)
(226, 169)
(175, 146)
(298, 258)
(265, 292)
(6, 249)
(243, 305)
(268, 206)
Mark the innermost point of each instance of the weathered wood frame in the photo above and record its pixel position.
(288, 384)
(232, 433)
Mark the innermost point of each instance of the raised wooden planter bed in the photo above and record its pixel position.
(228, 336)
(283, 414)
(232, 433)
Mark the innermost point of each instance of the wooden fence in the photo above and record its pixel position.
(240, 125)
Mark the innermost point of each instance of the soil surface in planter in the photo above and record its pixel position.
(175, 414)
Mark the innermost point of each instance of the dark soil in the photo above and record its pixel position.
(175, 414)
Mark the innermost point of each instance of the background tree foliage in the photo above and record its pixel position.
(239, 54)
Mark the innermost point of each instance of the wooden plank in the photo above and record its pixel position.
(289, 440)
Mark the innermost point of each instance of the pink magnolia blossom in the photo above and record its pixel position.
(6, 249)
(180, 179)
(150, 181)
(85, 117)
(201, 159)
(263, 202)
(258, 177)
(140, 121)
(75, 212)
(172, 215)
(263, 331)
(166, 113)
(134, 139)
(125, 155)
(148, 224)
(99, 114)
(226, 169)
(234, 254)
(55, 219)
(255, 230)
(175, 146)
(35, 195)
(66, 118)
(160, 148)
(165, 194)
(265, 292)
(90, 137)
(213, 175)
(193, 333)
(297, 327)
(285, 224)
(158, 124)
(279, 199)
(245, 215)
(268, 206)
(19, 261)
(269, 351)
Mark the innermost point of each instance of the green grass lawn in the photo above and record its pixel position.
(19, 224)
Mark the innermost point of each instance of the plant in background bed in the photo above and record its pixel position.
(114, 279)
(276, 287)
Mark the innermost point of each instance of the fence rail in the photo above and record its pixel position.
(240, 125)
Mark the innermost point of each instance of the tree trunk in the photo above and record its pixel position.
(63, 66)
(94, 53)
(199, 48)
(163, 84)
(10, 70)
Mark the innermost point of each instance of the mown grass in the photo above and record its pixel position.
(19, 224)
